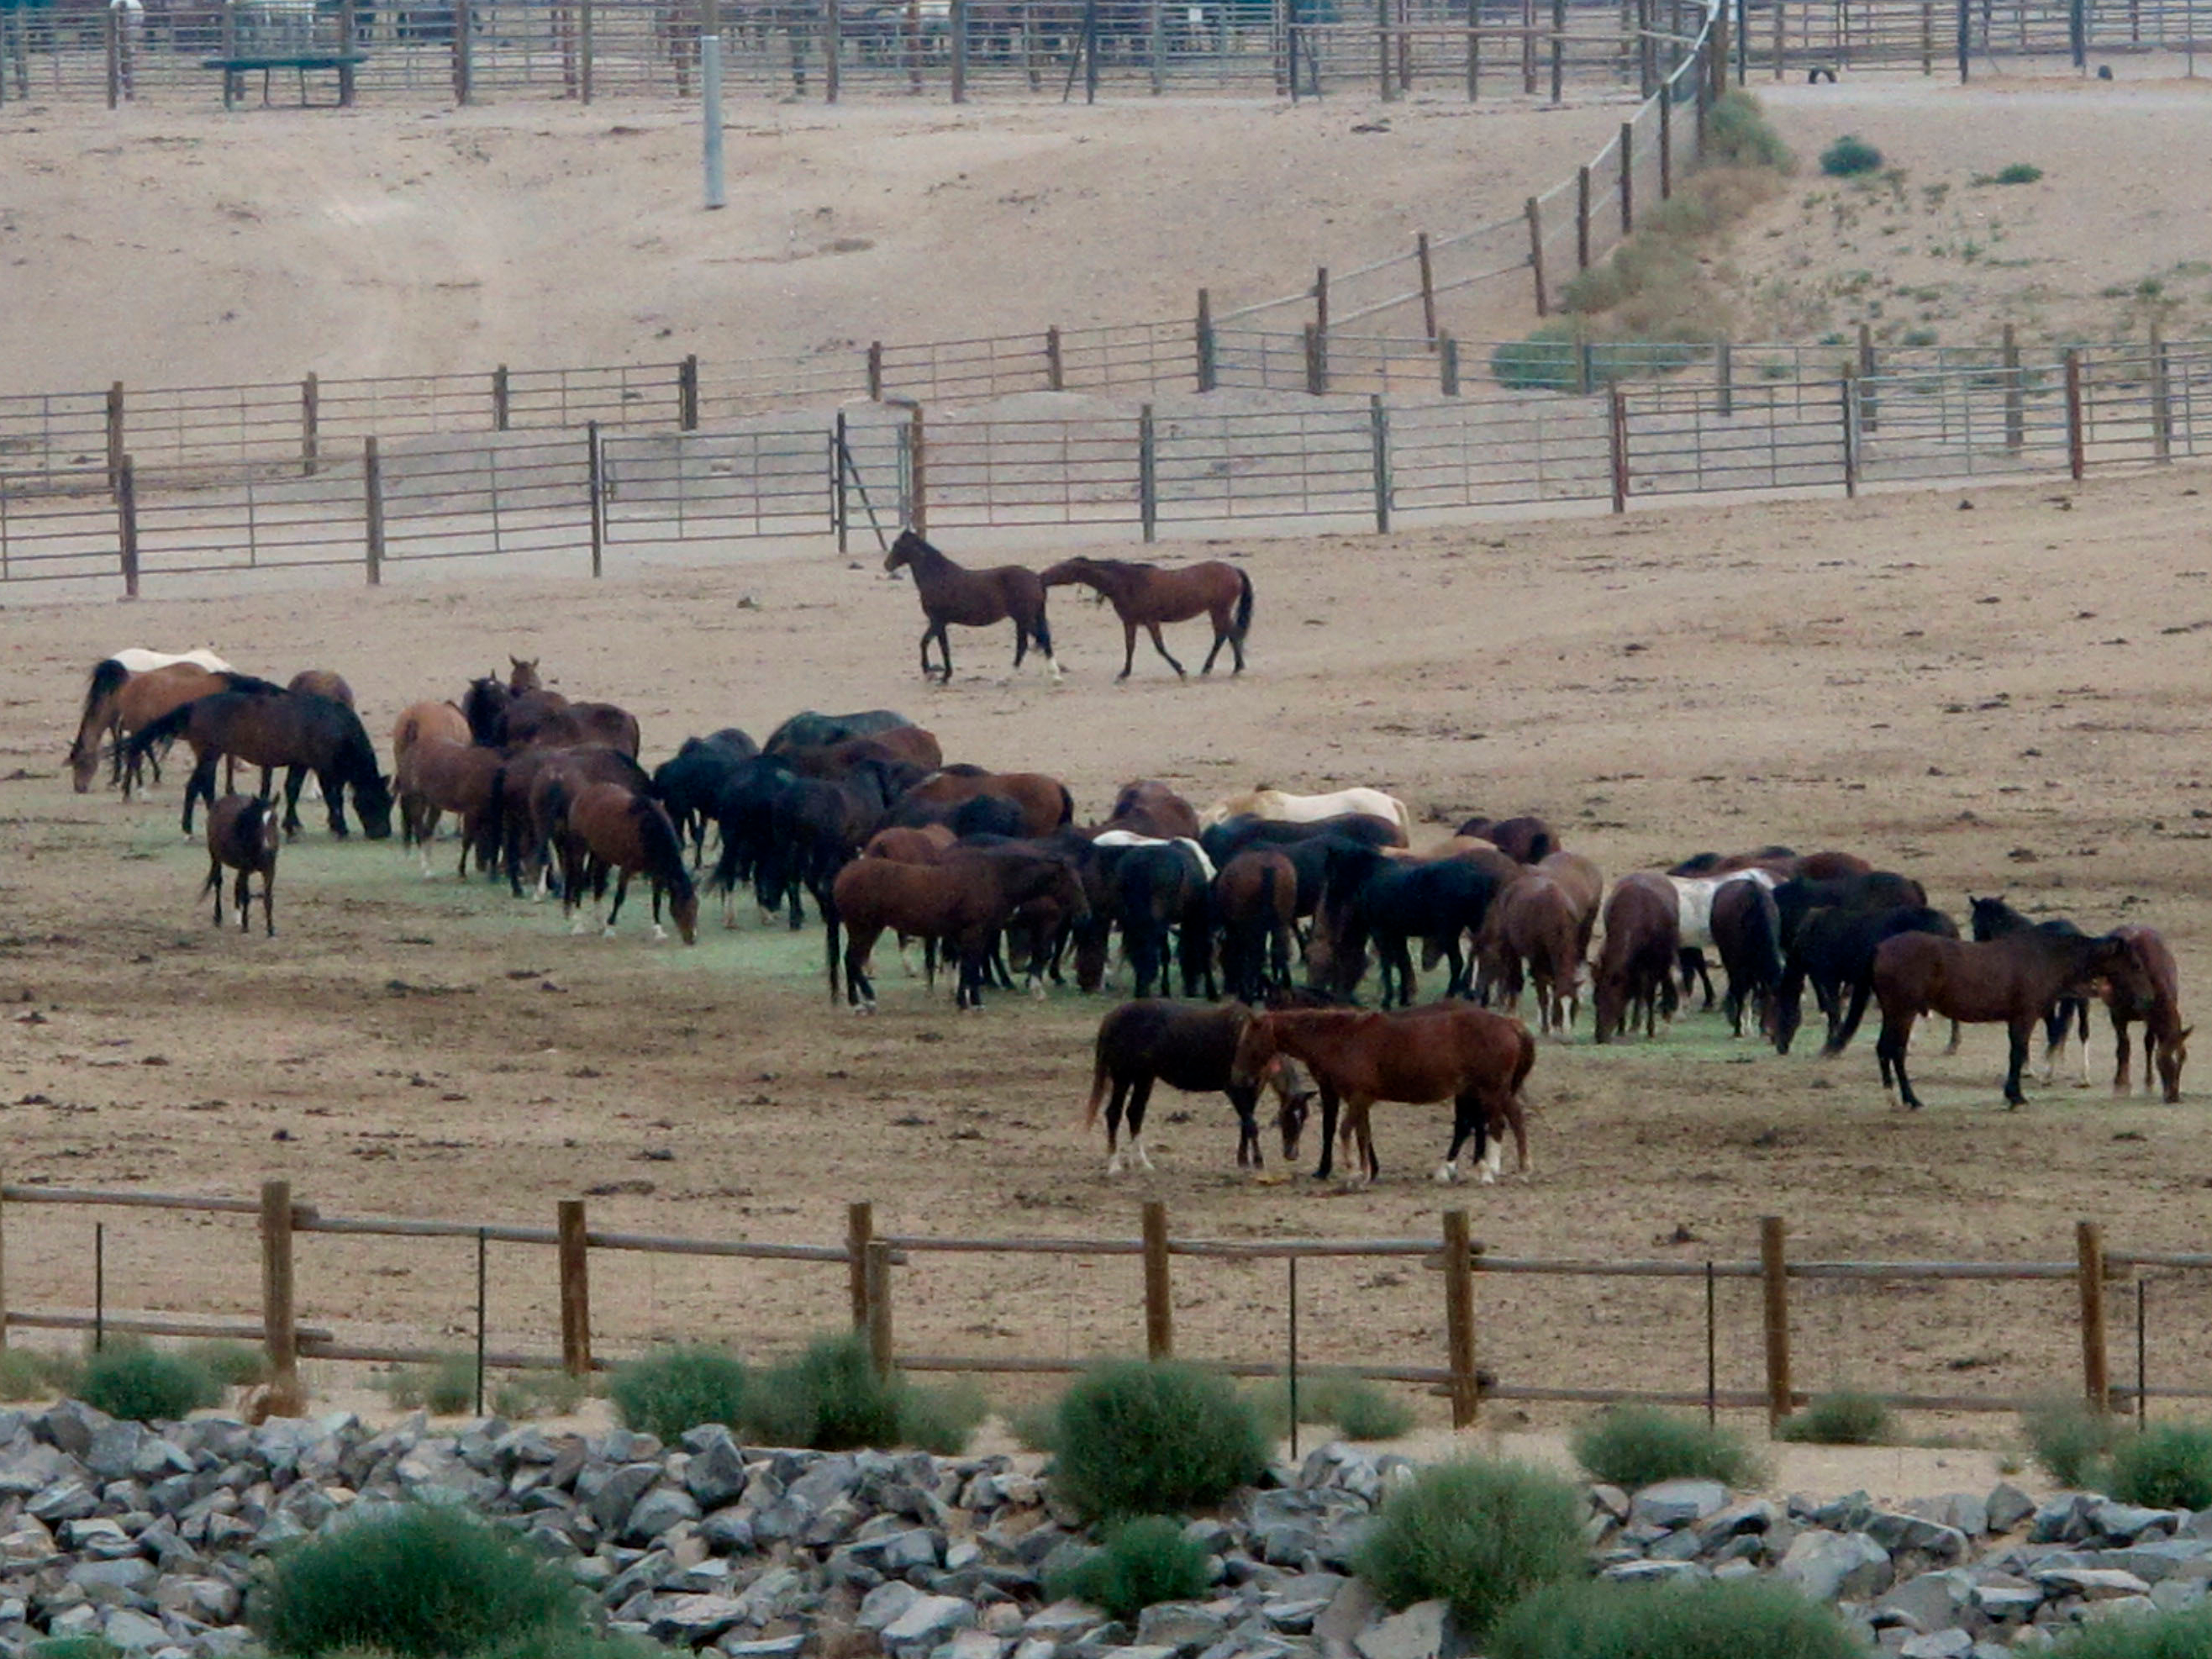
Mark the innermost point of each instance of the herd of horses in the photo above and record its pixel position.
(1266, 912)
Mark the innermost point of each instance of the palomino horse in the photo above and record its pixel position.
(279, 729)
(1145, 595)
(242, 836)
(617, 828)
(119, 700)
(973, 598)
(1188, 1048)
(2012, 980)
(1280, 807)
(1448, 1051)
(1636, 968)
(2149, 991)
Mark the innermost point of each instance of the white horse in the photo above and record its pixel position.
(138, 660)
(1285, 808)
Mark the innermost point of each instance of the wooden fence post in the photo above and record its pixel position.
(1320, 300)
(115, 434)
(586, 50)
(279, 1322)
(878, 1260)
(1378, 442)
(4, 1201)
(960, 44)
(311, 421)
(1056, 372)
(1448, 365)
(372, 486)
(1473, 54)
(1781, 32)
(875, 371)
(127, 525)
(1869, 410)
(1627, 179)
(1206, 371)
(1387, 88)
(2077, 455)
(1317, 361)
(860, 1233)
(595, 481)
(1725, 376)
(1927, 37)
(1582, 218)
(2161, 397)
(464, 68)
(1428, 286)
(1534, 212)
(1666, 144)
(1617, 426)
(1558, 51)
(1159, 1308)
(1148, 480)
(575, 1290)
(1848, 398)
(2015, 404)
(2089, 1278)
(1156, 47)
(1459, 1319)
(111, 34)
(918, 476)
(1527, 48)
(833, 50)
(1774, 1279)
(503, 409)
(687, 393)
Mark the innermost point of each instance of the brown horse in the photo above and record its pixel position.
(614, 827)
(1187, 1046)
(119, 704)
(902, 745)
(2150, 991)
(322, 682)
(1045, 801)
(1145, 595)
(1636, 968)
(962, 903)
(1256, 901)
(1535, 923)
(522, 675)
(2013, 980)
(973, 598)
(537, 719)
(1448, 1051)
(1584, 884)
(1149, 807)
(276, 728)
(521, 818)
(1523, 840)
(419, 720)
(242, 836)
(438, 776)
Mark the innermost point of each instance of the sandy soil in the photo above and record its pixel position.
(1892, 676)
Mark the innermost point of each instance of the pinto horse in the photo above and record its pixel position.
(242, 836)
(1188, 1046)
(1145, 595)
(2150, 992)
(2014, 980)
(973, 598)
(1448, 1051)
(618, 829)
(277, 728)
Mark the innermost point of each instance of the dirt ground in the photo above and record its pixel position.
(2004, 699)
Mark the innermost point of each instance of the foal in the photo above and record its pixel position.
(242, 835)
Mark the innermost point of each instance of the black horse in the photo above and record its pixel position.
(810, 730)
(1834, 950)
(691, 783)
(1161, 897)
(297, 730)
(1186, 1046)
(1746, 928)
(1992, 918)
(819, 825)
(1365, 895)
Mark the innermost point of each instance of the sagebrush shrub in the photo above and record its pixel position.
(2184, 1635)
(147, 1384)
(665, 1393)
(445, 1387)
(1848, 157)
(1357, 1408)
(1843, 1419)
(2166, 1467)
(1477, 1533)
(1152, 1436)
(1632, 1446)
(1744, 1619)
(2068, 1442)
(1142, 1561)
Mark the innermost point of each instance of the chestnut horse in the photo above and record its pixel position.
(1523, 840)
(963, 903)
(1145, 595)
(1448, 1051)
(1535, 922)
(242, 836)
(2149, 990)
(419, 720)
(1256, 902)
(2012, 979)
(1149, 807)
(1636, 968)
(322, 682)
(118, 700)
(614, 827)
(1044, 801)
(973, 598)
(438, 777)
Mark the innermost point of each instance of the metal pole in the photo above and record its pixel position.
(99, 1285)
(482, 1241)
(1294, 1359)
(710, 86)
(2142, 1355)
(1712, 1357)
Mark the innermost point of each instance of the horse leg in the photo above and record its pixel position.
(1951, 1047)
(2121, 1056)
(1139, 1097)
(1161, 646)
(201, 785)
(2081, 1021)
(927, 635)
(245, 896)
(2054, 1036)
(1128, 650)
(1849, 1028)
(268, 899)
(215, 885)
(1113, 1107)
(1329, 1107)
(1224, 629)
(1889, 1051)
(2016, 1062)
(1246, 1100)
(333, 795)
(1463, 1125)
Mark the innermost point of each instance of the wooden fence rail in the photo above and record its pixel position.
(871, 1258)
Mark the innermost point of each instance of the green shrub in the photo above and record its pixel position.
(2068, 1442)
(146, 1384)
(1357, 1408)
(1033, 1426)
(539, 1394)
(1739, 1620)
(1737, 134)
(447, 1387)
(233, 1365)
(831, 1398)
(76, 1647)
(1142, 1562)
(2167, 1467)
(1478, 1534)
(1151, 1436)
(1632, 1446)
(1544, 362)
(426, 1580)
(23, 1374)
(1842, 1418)
(943, 1419)
(1848, 157)
(2184, 1635)
(677, 1388)
(2019, 173)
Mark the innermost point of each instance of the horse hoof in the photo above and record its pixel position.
(659, 933)
(1446, 1175)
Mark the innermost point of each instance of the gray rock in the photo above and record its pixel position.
(1678, 1502)
(69, 1426)
(1133, 1652)
(65, 1500)
(2091, 1584)
(1035, 1647)
(610, 1494)
(1293, 1615)
(927, 1621)
(114, 1581)
(886, 1604)
(1186, 1626)
(1830, 1566)
(715, 1475)
(1964, 1510)
(1912, 1532)
(1937, 1644)
(1653, 1572)
(133, 1631)
(1421, 1631)
(1933, 1601)
(1062, 1621)
(778, 1593)
(971, 1644)
(658, 1511)
(1339, 1466)
(896, 1554)
(1751, 1515)
(773, 1647)
(2123, 1523)
(694, 1620)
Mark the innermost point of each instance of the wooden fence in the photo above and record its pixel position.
(869, 1259)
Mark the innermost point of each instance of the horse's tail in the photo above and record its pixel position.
(107, 678)
(1102, 1074)
(1243, 605)
(1042, 630)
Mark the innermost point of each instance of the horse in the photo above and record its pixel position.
(1145, 595)
(438, 776)
(973, 598)
(819, 825)
(1476, 1059)
(1160, 893)
(810, 730)
(1636, 969)
(1876, 889)
(615, 828)
(1187, 1047)
(1284, 808)
(499, 718)
(242, 836)
(1224, 839)
(1045, 801)
(1992, 918)
(1534, 921)
(1584, 884)
(2014, 980)
(322, 682)
(963, 903)
(1695, 896)
(2149, 990)
(1366, 896)
(690, 784)
(1747, 929)
(1523, 840)
(1255, 896)
(299, 732)
(137, 659)
(906, 745)
(519, 813)
(1834, 948)
(419, 720)
(118, 700)
(522, 674)
(1149, 807)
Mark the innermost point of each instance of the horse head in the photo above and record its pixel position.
(84, 761)
(905, 550)
(522, 675)
(1259, 1054)
(2173, 1055)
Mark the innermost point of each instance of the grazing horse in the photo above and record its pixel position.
(1255, 899)
(440, 776)
(617, 829)
(691, 783)
(1284, 808)
(1523, 840)
(298, 731)
(1877, 890)
(1187, 1046)
(1534, 921)
(1449, 1051)
(1159, 892)
(1636, 969)
(963, 903)
(419, 720)
(242, 836)
(1584, 884)
(1149, 807)
(2150, 991)
(1834, 950)
(1045, 801)
(518, 812)
(1145, 595)
(1366, 896)
(1746, 928)
(973, 598)
(808, 730)
(1992, 918)
(1695, 895)
(1232, 836)
(119, 701)
(322, 682)
(2014, 980)
(902, 745)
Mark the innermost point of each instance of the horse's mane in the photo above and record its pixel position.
(235, 681)
(664, 849)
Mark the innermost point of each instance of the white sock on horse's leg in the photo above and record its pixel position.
(659, 933)
(1144, 1158)
(1114, 1162)
(1447, 1173)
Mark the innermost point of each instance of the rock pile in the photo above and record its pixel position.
(153, 1538)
